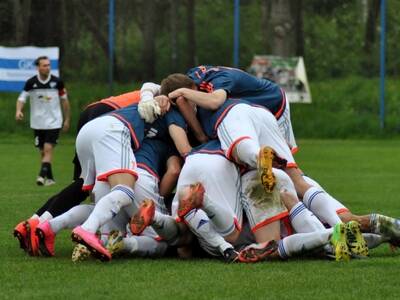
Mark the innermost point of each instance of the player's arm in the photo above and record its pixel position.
(181, 141)
(62, 93)
(170, 178)
(66, 113)
(189, 115)
(19, 114)
(210, 101)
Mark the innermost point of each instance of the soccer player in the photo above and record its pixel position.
(151, 164)
(47, 95)
(105, 149)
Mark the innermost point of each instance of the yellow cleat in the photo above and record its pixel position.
(355, 241)
(339, 243)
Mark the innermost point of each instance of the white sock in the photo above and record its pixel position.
(144, 246)
(166, 227)
(247, 152)
(108, 206)
(45, 216)
(302, 242)
(72, 218)
(199, 224)
(317, 201)
(304, 220)
(223, 219)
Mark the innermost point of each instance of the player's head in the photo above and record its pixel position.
(43, 65)
(176, 81)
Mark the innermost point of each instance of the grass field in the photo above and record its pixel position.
(363, 174)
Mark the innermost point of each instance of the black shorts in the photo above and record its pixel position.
(43, 136)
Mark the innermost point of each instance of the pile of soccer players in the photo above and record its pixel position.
(199, 165)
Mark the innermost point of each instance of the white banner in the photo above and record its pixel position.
(17, 64)
(288, 72)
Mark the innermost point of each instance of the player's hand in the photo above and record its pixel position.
(163, 103)
(66, 126)
(177, 93)
(19, 115)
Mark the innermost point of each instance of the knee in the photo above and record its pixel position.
(288, 199)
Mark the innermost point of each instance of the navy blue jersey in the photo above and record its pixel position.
(239, 84)
(211, 147)
(159, 128)
(130, 117)
(153, 155)
(210, 119)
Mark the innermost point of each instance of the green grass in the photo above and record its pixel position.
(364, 174)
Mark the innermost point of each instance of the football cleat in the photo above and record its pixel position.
(115, 243)
(192, 200)
(80, 253)
(49, 182)
(40, 180)
(33, 242)
(267, 159)
(339, 242)
(46, 238)
(21, 234)
(231, 255)
(92, 242)
(143, 217)
(355, 241)
(258, 252)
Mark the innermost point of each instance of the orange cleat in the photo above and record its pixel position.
(33, 242)
(144, 217)
(192, 200)
(21, 234)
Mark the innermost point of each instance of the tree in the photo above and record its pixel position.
(191, 33)
(282, 27)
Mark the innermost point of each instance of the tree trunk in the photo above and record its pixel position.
(370, 26)
(191, 33)
(279, 20)
(21, 11)
(174, 34)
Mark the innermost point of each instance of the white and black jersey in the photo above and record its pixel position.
(45, 96)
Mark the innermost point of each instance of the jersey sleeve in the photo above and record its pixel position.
(223, 82)
(174, 117)
(25, 92)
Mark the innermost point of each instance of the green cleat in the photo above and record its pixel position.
(115, 243)
(339, 243)
(355, 241)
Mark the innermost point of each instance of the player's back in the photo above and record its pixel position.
(238, 84)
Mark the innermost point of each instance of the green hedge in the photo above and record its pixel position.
(341, 108)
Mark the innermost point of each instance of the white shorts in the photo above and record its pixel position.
(260, 209)
(285, 126)
(221, 181)
(249, 122)
(104, 148)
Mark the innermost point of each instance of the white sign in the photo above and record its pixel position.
(17, 64)
(288, 72)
